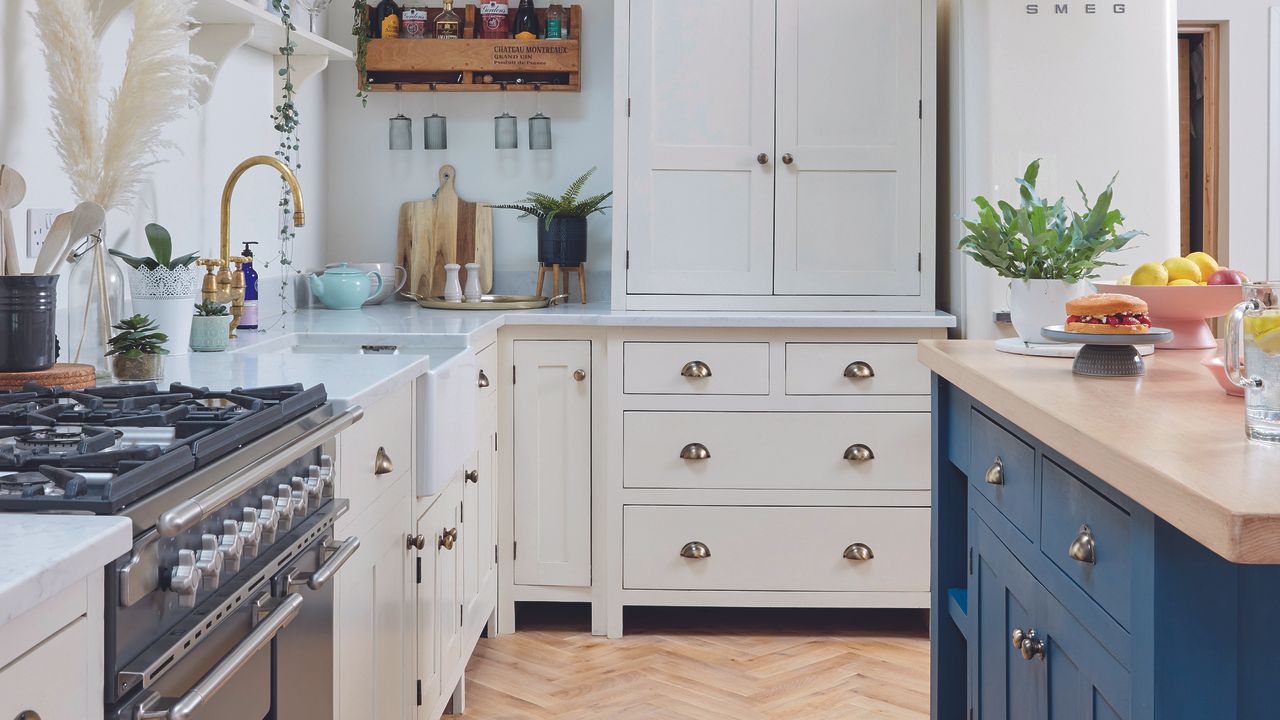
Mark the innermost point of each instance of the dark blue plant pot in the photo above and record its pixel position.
(564, 243)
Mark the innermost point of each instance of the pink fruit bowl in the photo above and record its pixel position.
(1183, 310)
(1218, 369)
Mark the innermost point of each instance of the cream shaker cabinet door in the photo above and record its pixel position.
(552, 462)
(701, 138)
(52, 679)
(848, 144)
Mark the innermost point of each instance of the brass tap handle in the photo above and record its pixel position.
(1083, 548)
(858, 551)
(211, 264)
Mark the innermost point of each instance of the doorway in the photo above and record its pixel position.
(1199, 106)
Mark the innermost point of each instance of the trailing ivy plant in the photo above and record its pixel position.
(286, 121)
(1040, 241)
(360, 29)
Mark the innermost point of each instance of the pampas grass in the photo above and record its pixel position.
(160, 82)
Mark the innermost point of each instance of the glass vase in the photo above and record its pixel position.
(95, 302)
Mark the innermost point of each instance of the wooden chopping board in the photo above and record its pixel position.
(71, 376)
(442, 230)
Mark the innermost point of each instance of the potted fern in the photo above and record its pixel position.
(210, 327)
(562, 221)
(137, 350)
(163, 286)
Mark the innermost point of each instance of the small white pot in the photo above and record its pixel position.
(1034, 304)
(167, 297)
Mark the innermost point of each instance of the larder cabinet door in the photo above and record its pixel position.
(1085, 682)
(700, 218)
(552, 463)
(848, 200)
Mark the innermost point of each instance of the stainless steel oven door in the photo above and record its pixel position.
(304, 649)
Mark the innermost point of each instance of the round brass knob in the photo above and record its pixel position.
(382, 464)
(1083, 548)
(859, 370)
(483, 381)
(858, 453)
(695, 451)
(417, 542)
(473, 476)
(763, 158)
(995, 473)
(1031, 645)
(696, 369)
(858, 551)
(787, 159)
(28, 715)
(579, 375)
(1017, 637)
(448, 538)
(695, 551)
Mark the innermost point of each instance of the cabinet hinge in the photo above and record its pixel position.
(513, 374)
(459, 615)
(971, 561)
(970, 713)
(495, 442)
(515, 549)
(419, 569)
(628, 260)
(419, 692)
(920, 109)
(495, 553)
(462, 512)
(628, 107)
(919, 262)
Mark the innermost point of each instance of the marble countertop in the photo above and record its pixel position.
(41, 555)
(1172, 441)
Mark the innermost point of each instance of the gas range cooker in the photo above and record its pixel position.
(98, 450)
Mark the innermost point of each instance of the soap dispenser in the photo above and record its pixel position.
(249, 319)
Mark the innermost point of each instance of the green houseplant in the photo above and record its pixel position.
(163, 286)
(137, 350)
(562, 221)
(1047, 251)
(210, 327)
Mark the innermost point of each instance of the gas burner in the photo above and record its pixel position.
(46, 481)
(62, 440)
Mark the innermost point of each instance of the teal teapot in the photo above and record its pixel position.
(344, 288)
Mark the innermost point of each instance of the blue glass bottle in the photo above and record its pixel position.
(249, 319)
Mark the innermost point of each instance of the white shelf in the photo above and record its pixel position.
(268, 31)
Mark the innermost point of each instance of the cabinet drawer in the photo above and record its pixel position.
(1067, 508)
(387, 424)
(1002, 468)
(775, 548)
(765, 450)
(487, 370)
(855, 369)
(54, 679)
(658, 368)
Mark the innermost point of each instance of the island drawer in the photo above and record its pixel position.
(1088, 537)
(776, 450)
(776, 548)
(1002, 469)
(376, 451)
(855, 369)
(696, 368)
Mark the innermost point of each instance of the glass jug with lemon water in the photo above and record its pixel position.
(1253, 358)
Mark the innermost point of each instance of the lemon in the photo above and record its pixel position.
(1183, 282)
(1151, 273)
(1269, 342)
(1183, 269)
(1205, 262)
(1126, 280)
(1264, 322)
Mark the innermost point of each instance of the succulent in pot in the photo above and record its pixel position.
(137, 350)
(210, 327)
(562, 221)
(1047, 251)
(163, 286)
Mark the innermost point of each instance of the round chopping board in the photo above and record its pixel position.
(72, 376)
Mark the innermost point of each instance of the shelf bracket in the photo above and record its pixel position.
(215, 43)
(304, 67)
(107, 11)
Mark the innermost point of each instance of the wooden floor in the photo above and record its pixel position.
(704, 664)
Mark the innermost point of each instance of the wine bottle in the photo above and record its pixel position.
(386, 20)
(526, 26)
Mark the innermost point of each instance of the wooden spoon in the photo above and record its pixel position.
(13, 188)
(55, 243)
(87, 218)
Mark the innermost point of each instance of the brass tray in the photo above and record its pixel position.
(488, 302)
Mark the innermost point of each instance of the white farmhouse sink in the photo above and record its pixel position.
(445, 402)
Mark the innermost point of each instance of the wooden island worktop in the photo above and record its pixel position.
(1172, 441)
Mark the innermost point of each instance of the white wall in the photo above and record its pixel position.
(368, 183)
(187, 186)
(1248, 193)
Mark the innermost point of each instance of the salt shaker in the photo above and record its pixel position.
(452, 288)
(472, 293)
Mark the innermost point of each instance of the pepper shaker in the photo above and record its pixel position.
(452, 288)
(472, 293)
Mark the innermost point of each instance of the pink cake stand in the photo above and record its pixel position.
(1184, 310)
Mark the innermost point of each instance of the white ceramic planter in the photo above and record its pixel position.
(1036, 303)
(167, 297)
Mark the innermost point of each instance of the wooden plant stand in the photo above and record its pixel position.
(560, 275)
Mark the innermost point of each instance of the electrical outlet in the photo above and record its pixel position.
(39, 221)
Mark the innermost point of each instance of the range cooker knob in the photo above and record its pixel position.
(284, 506)
(184, 579)
(231, 545)
(268, 519)
(313, 483)
(209, 561)
(250, 531)
(310, 491)
(300, 503)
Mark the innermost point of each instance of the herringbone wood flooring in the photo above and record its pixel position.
(705, 664)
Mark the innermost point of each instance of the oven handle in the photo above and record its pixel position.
(158, 708)
(189, 513)
(342, 552)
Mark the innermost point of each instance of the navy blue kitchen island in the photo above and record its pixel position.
(1056, 595)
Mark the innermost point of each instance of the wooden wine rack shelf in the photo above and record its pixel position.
(471, 64)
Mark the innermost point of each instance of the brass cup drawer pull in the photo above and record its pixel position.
(859, 370)
(417, 542)
(1084, 549)
(858, 551)
(858, 453)
(695, 451)
(473, 476)
(696, 369)
(695, 551)
(483, 380)
(995, 473)
(1031, 645)
(382, 464)
(448, 538)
